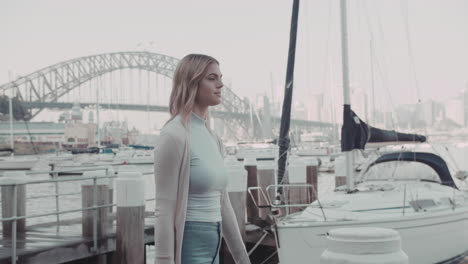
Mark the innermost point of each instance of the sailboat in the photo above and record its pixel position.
(411, 190)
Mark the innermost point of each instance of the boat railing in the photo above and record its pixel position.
(273, 201)
(13, 201)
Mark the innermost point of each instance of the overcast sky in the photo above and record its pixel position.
(250, 39)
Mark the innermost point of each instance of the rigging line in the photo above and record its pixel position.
(451, 157)
(385, 86)
(111, 87)
(327, 46)
(23, 111)
(332, 94)
(453, 164)
(105, 85)
(361, 46)
(381, 34)
(148, 100)
(412, 64)
(164, 91)
(130, 80)
(308, 56)
(102, 84)
(265, 233)
(380, 37)
(396, 165)
(139, 82)
(269, 257)
(371, 61)
(156, 90)
(412, 67)
(366, 15)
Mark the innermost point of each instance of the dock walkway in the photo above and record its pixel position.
(43, 244)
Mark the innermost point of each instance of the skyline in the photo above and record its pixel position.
(251, 43)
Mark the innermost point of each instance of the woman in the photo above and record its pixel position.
(193, 210)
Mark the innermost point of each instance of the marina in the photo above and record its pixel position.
(39, 239)
(366, 162)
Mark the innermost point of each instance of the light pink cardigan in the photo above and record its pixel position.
(172, 172)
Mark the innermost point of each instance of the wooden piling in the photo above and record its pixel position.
(340, 181)
(340, 171)
(300, 171)
(130, 194)
(312, 178)
(13, 181)
(110, 172)
(250, 166)
(296, 174)
(237, 190)
(88, 199)
(266, 177)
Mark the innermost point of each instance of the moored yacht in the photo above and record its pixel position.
(411, 192)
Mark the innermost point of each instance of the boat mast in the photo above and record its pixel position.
(283, 141)
(346, 95)
(372, 80)
(98, 86)
(10, 110)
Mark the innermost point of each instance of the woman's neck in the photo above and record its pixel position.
(200, 111)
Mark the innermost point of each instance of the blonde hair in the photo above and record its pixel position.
(188, 74)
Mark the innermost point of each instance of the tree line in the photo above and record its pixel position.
(19, 112)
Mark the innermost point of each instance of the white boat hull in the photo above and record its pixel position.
(17, 164)
(432, 238)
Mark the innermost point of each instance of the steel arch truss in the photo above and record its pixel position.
(51, 83)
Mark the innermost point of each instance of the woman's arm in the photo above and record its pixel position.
(167, 161)
(231, 232)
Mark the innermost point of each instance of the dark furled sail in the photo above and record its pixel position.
(283, 141)
(355, 133)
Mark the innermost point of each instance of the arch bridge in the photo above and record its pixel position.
(45, 88)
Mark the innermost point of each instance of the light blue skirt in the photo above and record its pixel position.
(201, 242)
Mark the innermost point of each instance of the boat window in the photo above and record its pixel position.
(401, 170)
(422, 204)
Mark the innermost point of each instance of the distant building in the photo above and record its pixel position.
(32, 137)
(316, 111)
(427, 111)
(359, 102)
(267, 119)
(37, 132)
(465, 104)
(455, 111)
(132, 137)
(113, 132)
(405, 116)
(299, 111)
(77, 134)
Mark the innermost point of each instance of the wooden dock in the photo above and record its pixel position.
(97, 238)
(41, 244)
(115, 233)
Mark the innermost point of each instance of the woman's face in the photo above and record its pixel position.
(209, 88)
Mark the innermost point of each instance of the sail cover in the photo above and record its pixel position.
(355, 133)
(432, 160)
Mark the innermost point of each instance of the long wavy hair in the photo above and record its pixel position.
(188, 74)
